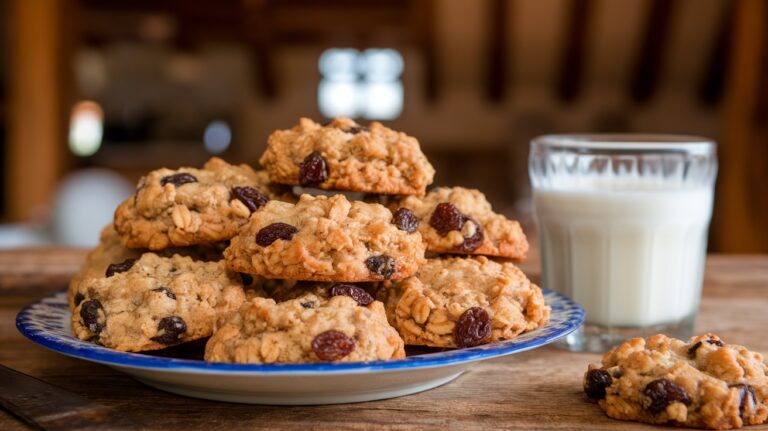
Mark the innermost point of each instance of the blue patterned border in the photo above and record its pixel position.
(47, 323)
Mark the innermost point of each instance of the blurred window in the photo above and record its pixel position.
(363, 84)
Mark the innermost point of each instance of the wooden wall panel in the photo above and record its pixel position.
(36, 145)
(742, 199)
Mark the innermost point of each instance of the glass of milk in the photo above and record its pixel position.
(623, 222)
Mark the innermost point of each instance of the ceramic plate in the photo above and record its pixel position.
(47, 322)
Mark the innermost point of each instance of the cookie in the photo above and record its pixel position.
(343, 155)
(325, 238)
(155, 302)
(459, 220)
(463, 302)
(111, 251)
(284, 290)
(276, 191)
(703, 383)
(191, 206)
(311, 328)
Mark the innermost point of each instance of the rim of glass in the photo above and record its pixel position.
(626, 142)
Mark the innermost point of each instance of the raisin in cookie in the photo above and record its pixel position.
(343, 155)
(703, 383)
(111, 254)
(284, 290)
(325, 238)
(310, 328)
(459, 220)
(463, 302)
(155, 302)
(190, 206)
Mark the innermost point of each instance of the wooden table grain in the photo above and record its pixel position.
(539, 389)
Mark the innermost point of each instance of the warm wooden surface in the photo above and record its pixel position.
(36, 148)
(739, 222)
(534, 390)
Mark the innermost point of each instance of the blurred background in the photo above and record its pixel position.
(96, 92)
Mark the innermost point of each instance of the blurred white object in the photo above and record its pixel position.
(86, 128)
(22, 235)
(85, 202)
(217, 137)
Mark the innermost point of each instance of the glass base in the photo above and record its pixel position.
(596, 338)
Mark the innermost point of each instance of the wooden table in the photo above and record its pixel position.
(539, 389)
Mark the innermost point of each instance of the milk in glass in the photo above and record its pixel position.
(625, 241)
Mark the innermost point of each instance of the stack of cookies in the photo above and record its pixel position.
(335, 252)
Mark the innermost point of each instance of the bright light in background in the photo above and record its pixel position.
(381, 65)
(383, 100)
(337, 94)
(338, 99)
(361, 84)
(86, 128)
(217, 137)
(339, 64)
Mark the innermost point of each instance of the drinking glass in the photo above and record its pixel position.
(623, 222)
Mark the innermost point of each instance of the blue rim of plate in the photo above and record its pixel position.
(47, 323)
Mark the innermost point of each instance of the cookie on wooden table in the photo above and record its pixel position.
(310, 328)
(190, 206)
(155, 302)
(324, 238)
(463, 302)
(343, 155)
(702, 383)
(460, 220)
